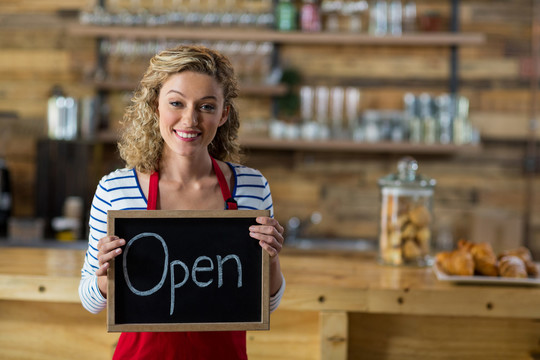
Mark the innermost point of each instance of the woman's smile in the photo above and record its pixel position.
(187, 135)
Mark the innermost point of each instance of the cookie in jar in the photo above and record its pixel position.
(406, 217)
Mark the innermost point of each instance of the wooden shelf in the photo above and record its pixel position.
(246, 89)
(264, 143)
(351, 146)
(298, 38)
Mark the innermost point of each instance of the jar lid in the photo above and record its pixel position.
(407, 176)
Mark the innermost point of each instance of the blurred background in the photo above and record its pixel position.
(333, 94)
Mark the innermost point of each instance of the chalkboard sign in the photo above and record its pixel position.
(187, 271)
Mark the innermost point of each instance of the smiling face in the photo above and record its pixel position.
(190, 110)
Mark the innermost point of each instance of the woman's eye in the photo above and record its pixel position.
(175, 103)
(208, 107)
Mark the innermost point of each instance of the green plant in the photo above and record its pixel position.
(289, 103)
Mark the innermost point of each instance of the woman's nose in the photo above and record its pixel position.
(190, 116)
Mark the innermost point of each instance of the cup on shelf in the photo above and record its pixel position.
(337, 101)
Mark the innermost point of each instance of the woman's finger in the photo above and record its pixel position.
(108, 248)
(271, 243)
(265, 220)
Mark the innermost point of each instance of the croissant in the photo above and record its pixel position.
(524, 254)
(457, 262)
(512, 266)
(464, 244)
(485, 261)
(521, 252)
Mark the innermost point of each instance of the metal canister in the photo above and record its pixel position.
(406, 218)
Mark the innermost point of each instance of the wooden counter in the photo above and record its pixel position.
(338, 306)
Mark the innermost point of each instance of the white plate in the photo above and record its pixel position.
(483, 280)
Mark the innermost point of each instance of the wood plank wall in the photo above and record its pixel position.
(481, 196)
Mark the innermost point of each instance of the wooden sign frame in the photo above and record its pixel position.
(263, 323)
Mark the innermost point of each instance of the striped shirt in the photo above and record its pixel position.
(120, 190)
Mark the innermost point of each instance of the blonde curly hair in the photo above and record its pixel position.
(141, 143)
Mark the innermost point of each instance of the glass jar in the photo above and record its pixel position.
(406, 216)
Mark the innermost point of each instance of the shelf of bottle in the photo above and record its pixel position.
(388, 147)
(262, 35)
(261, 143)
(246, 89)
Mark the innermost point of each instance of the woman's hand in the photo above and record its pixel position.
(269, 233)
(108, 248)
(270, 236)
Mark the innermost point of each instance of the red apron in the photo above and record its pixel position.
(208, 345)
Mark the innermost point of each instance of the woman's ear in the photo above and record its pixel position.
(224, 115)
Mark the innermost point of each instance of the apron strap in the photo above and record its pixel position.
(225, 192)
(153, 191)
(230, 203)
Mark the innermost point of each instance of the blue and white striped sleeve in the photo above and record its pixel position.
(267, 203)
(276, 299)
(252, 190)
(89, 293)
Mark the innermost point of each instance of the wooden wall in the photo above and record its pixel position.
(482, 195)
(35, 55)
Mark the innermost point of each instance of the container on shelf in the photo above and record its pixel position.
(6, 204)
(378, 22)
(286, 16)
(406, 217)
(310, 16)
(62, 116)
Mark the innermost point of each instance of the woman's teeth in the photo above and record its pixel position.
(186, 135)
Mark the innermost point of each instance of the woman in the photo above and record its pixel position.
(180, 130)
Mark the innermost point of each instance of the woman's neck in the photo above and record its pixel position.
(184, 169)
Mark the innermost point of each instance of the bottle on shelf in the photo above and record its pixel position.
(378, 21)
(445, 116)
(372, 133)
(462, 125)
(395, 18)
(412, 121)
(409, 17)
(310, 16)
(356, 14)
(286, 16)
(352, 110)
(428, 120)
(337, 100)
(330, 11)
(322, 96)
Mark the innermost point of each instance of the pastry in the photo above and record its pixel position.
(512, 266)
(405, 231)
(411, 250)
(409, 231)
(521, 252)
(524, 254)
(457, 262)
(514, 263)
(420, 216)
(423, 236)
(485, 261)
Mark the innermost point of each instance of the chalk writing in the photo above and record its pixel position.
(196, 268)
(164, 273)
